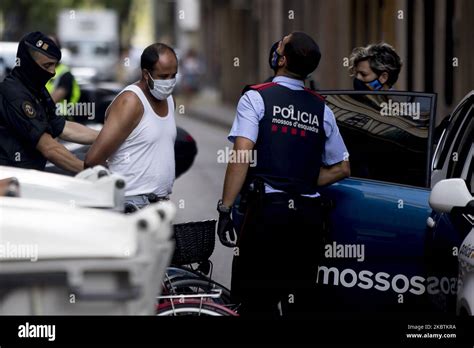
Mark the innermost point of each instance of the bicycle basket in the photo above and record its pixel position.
(194, 241)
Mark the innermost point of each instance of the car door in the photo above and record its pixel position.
(454, 159)
(382, 209)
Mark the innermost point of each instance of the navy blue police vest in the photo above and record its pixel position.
(291, 139)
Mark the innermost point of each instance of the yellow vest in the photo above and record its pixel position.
(61, 69)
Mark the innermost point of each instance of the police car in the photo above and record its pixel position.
(386, 250)
(451, 196)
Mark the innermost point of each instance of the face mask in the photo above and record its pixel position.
(161, 89)
(275, 56)
(271, 56)
(374, 85)
(274, 63)
(33, 74)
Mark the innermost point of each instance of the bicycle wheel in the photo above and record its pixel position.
(187, 286)
(193, 308)
(179, 272)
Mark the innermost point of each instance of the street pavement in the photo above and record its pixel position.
(196, 192)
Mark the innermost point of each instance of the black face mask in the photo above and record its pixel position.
(274, 56)
(28, 70)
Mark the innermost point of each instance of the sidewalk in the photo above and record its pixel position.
(207, 108)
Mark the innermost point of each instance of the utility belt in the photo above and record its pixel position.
(153, 198)
(254, 192)
(136, 202)
(253, 196)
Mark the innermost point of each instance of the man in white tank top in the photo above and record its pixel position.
(139, 133)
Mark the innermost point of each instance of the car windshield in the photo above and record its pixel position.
(387, 133)
(89, 48)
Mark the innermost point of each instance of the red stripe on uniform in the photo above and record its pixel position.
(263, 86)
(314, 93)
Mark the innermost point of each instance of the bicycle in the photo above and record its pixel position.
(189, 290)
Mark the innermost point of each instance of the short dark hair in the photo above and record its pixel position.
(302, 53)
(151, 55)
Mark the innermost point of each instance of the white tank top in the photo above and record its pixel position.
(146, 158)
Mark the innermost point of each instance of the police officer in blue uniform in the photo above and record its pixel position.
(29, 123)
(296, 146)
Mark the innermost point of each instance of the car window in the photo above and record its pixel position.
(461, 149)
(450, 133)
(468, 170)
(387, 133)
(470, 173)
(101, 50)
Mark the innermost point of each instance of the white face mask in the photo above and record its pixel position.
(162, 89)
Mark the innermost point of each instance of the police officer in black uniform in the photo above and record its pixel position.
(29, 123)
(293, 140)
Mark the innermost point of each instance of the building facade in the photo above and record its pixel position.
(432, 38)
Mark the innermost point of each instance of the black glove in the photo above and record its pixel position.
(224, 226)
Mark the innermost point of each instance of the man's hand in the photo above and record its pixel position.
(57, 154)
(225, 230)
(334, 173)
(233, 182)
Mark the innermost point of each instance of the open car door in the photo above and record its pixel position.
(374, 257)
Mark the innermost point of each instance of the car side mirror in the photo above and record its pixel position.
(448, 194)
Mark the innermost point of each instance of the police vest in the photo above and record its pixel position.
(291, 139)
(75, 93)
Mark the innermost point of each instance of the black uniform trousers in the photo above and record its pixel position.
(277, 256)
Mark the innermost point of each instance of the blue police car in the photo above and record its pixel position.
(386, 250)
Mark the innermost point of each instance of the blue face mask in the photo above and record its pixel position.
(275, 58)
(374, 85)
(271, 56)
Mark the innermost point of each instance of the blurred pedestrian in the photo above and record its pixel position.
(63, 87)
(191, 72)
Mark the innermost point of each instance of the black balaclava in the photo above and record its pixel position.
(33, 75)
(30, 73)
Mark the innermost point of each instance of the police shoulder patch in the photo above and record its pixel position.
(29, 109)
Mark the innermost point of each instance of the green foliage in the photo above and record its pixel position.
(23, 16)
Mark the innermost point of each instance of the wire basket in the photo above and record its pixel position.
(195, 242)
